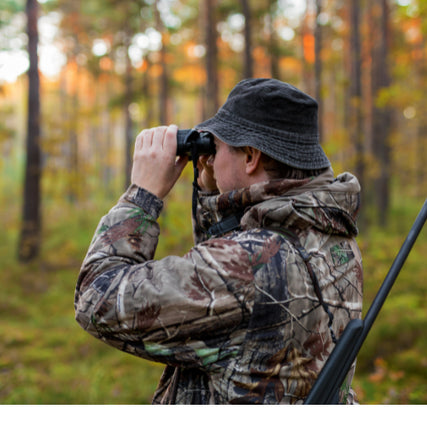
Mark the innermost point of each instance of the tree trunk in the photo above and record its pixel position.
(318, 65)
(73, 160)
(355, 105)
(147, 95)
(306, 57)
(420, 182)
(272, 43)
(212, 97)
(248, 60)
(29, 243)
(128, 118)
(163, 82)
(381, 116)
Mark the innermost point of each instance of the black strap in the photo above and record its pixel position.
(196, 188)
(228, 224)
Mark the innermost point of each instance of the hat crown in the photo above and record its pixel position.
(274, 117)
(275, 104)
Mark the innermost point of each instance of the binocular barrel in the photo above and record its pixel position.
(191, 141)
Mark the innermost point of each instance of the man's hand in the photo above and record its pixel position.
(155, 166)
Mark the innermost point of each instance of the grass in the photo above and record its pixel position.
(45, 358)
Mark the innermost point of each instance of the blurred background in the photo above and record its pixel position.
(80, 79)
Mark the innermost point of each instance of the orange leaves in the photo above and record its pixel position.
(291, 65)
(106, 64)
(308, 45)
(190, 73)
(413, 31)
(382, 372)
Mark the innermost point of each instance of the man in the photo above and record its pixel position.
(252, 311)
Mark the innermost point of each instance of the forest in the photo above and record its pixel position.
(80, 79)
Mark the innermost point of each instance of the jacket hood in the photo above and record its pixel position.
(326, 203)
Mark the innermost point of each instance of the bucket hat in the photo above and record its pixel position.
(273, 116)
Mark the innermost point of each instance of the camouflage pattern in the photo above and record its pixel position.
(236, 319)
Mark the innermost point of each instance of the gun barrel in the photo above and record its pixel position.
(326, 388)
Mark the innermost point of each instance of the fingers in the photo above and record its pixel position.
(155, 165)
(158, 138)
(169, 139)
(149, 137)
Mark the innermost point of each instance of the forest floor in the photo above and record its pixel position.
(46, 358)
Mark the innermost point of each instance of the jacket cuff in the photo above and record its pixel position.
(147, 201)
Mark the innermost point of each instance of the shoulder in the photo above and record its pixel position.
(262, 237)
(254, 247)
(241, 250)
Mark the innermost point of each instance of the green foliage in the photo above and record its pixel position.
(9, 7)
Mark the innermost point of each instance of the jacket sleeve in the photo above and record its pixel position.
(177, 310)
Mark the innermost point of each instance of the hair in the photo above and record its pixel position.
(279, 170)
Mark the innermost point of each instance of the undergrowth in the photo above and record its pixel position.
(46, 358)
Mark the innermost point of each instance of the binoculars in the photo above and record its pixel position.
(191, 142)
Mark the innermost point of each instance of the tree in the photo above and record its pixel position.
(248, 61)
(126, 108)
(29, 243)
(273, 45)
(355, 96)
(308, 52)
(163, 86)
(212, 96)
(318, 64)
(381, 114)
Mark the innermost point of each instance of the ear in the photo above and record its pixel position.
(252, 160)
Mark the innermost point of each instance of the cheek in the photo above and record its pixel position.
(219, 172)
(216, 162)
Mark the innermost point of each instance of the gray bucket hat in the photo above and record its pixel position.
(274, 117)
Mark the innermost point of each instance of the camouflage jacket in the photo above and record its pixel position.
(237, 319)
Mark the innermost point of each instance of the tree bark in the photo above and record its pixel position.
(318, 65)
(29, 243)
(355, 98)
(163, 82)
(128, 119)
(248, 60)
(273, 43)
(212, 97)
(381, 116)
